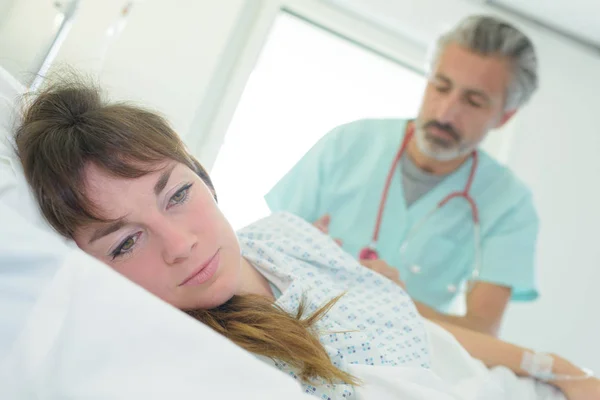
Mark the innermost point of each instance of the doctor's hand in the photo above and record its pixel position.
(322, 224)
(384, 269)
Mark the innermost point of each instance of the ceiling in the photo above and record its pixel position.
(577, 18)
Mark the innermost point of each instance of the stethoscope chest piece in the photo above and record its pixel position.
(368, 253)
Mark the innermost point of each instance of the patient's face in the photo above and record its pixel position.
(169, 236)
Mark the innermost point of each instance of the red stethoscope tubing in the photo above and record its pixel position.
(369, 253)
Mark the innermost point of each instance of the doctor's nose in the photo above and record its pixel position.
(178, 243)
(448, 109)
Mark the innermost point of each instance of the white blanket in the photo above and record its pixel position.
(455, 375)
(470, 379)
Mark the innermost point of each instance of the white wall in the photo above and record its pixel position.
(554, 147)
(556, 151)
(168, 57)
(22, 48)
(5, 7)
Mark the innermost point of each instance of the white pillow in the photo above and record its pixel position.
(72, 328)
(10, 86)
(14, 190)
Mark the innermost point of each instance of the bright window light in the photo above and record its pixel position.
(306, 82)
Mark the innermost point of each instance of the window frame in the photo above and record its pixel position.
(215, 112)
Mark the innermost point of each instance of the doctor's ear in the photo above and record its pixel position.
(506, 116)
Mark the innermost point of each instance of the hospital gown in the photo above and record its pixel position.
(374, 323)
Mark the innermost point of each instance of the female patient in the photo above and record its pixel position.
(118, 180)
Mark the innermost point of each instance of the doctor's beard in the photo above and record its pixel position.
(438, 148)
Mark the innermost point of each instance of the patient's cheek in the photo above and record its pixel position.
(146, 269)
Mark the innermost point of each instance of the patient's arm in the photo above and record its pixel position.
(486, 304)
(494, 352)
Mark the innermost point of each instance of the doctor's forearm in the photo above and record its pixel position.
(468, 321)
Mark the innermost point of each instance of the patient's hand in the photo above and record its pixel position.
(384, 269)
(588, 389)
(322, 224)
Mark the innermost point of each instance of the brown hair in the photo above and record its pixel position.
(70, 125)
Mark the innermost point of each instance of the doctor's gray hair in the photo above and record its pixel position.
(491, 36)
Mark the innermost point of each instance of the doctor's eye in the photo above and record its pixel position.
(476, 100)
(442, 88)
(473, 103)
(441, 84)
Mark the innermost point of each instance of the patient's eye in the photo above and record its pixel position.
(125, 246)
(181, 196)
(128, 244)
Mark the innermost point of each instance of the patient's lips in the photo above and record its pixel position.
(204, 272)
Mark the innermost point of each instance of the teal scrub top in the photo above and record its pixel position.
(344, 174)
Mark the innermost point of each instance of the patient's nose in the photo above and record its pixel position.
(178, 242)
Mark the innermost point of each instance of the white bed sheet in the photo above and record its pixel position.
(454, 375)
(471, 379)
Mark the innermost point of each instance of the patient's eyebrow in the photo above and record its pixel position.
(107, 230)
(163, 180)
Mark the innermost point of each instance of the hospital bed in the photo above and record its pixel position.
(72, 328)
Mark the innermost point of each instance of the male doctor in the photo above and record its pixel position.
(481, 72)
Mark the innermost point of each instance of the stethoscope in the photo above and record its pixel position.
(369, 252)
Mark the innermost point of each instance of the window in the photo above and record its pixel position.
(306, 82)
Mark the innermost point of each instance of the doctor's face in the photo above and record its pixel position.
(166, 234)
(464, 98)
